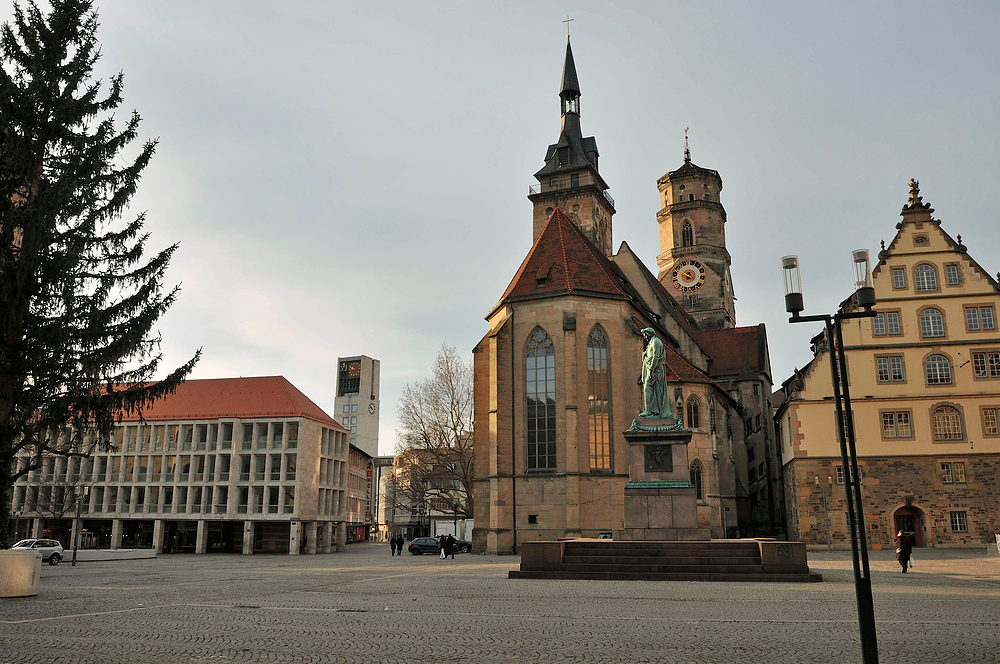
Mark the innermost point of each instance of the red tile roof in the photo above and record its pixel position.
(563, 260)
(262, 396)
(680, 370)
(732, 349)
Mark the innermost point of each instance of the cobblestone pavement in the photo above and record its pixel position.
(363, 606)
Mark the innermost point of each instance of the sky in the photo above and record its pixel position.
(351, 178)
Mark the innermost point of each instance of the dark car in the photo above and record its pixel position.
(422, 545)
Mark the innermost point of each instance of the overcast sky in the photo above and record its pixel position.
(351, 178)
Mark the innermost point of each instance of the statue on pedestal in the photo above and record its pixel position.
(656, 400)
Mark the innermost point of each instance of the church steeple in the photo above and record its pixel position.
(570, 179)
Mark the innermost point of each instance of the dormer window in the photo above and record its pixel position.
(563, 156)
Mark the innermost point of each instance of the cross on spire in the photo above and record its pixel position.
(568, 19)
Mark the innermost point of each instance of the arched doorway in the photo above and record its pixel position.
(911, 521)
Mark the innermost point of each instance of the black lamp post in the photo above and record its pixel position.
(864, 298)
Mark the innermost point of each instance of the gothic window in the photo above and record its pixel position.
(931, 323)
(540, 378)
(599, 398)
(697, 480)
(937, 368)
(925, 278)
(687, 234)
(947, 423)
(693, 413)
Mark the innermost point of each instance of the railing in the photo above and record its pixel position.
(563, 184)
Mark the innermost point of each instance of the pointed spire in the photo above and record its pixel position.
(687, 148)
(570, 83)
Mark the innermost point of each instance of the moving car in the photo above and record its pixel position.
(51, 550)
(422, 545)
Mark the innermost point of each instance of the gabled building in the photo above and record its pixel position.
(555, 377)
(924, 376)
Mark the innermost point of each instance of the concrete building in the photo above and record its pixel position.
(225, 465)
(356, 405)
(924, 376)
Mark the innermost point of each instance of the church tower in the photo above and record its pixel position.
(694, 263)
(570, 180)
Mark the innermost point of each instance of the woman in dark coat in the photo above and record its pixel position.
(392, 544)
(903, 549)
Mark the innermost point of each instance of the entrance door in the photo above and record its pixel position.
(908, 520)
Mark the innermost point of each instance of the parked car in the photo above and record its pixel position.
(422, 545)
(51, 550)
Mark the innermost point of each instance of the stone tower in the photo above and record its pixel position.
(694, 263)
(570, 179)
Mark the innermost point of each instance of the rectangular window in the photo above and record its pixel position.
(882, 369)
(242, 499)
(160, 434)
(221, 499)
(991, 417)
(946, 476)
(277, 435)
(293, 435)
(172, 435)
(201, 435)
(986, 316)
(199, 468)
(289, 499)
(878, 325)
(168, 499)
(290, 460)
(227, 437)
(187, 437)
(170, 468)
(896, 425)
(262, 436)
(892, 323)
(247, 436)
(130, 439)
(275, 467)
(972, 319)
(272, 500)
(260, 461)
(840, 474)
(157, 469)
(898, 278)
(185, 468)
(986, 365)
(889, 369)
(244, 467)
(224, 461)
(258, 500)
(354, 407)
(182, 499)
(347, 408)
(959, 522)
(951, 274)
(958, 470)
(195, 499)
(144, 434)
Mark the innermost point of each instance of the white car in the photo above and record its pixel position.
(51, 550)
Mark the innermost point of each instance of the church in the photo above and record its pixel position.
(556, 374)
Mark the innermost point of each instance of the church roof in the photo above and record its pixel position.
(564, 261)
(570, 83)
(690, 169)
(734, 349)
(680, 370)
(209, 399)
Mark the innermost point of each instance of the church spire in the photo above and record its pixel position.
(569, 95)
(687, 149)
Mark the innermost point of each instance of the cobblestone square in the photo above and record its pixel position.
(364, 606)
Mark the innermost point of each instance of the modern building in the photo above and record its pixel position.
(356, 405)
(359, 516)
(555, 376)
(924, 376)
(382, 515)
(245, 465)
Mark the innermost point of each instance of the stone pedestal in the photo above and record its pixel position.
(660, 501)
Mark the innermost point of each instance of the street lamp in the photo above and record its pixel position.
(83, 495)
(826, 511)
(864, 298)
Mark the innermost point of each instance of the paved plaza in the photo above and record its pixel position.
(364, 606)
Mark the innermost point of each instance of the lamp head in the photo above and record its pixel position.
(793, 284)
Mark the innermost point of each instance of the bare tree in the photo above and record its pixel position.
(435, 438)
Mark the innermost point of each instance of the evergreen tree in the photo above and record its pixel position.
(78, 296)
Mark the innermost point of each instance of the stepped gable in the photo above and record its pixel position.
(563, 261)
(733, 349)
(261, 396)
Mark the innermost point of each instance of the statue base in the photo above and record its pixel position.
(660, 501)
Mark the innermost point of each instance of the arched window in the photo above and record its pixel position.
(937, 368)
(687, 234)
(540, 379)
(931, 323)
(599, 398)
(947, 423)
(925, 278)
(697, 480)
(693, 413)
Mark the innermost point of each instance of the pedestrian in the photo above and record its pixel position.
(903, 549)
(450, 546)
(392, 544)
(399, 544)
(442, 543)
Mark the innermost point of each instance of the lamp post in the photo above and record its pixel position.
(864, 299)
(826, 511)
(83, 495)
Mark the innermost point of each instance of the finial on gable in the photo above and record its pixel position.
(916, 201)
(883, 254)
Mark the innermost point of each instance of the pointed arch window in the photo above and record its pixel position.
(697, 480)
(540, 377)
(693, 413)
(687, 234)
(599, 398)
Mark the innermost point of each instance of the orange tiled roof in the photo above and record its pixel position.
(731, 349)
(261, 396)
(562, 261)
(680, 370)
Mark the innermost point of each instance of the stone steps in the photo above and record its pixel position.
(811, 577)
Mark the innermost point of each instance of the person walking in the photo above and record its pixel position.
(903, 549)
(392, 544)
(449, 546)
(399, 544)
(442, 543)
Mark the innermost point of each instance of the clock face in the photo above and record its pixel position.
(371, 408)
(688, 276)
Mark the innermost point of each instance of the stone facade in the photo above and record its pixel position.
(924, 378)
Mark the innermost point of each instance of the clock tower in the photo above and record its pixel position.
(694, 263)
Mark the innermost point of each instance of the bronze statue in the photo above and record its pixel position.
(656, 400)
